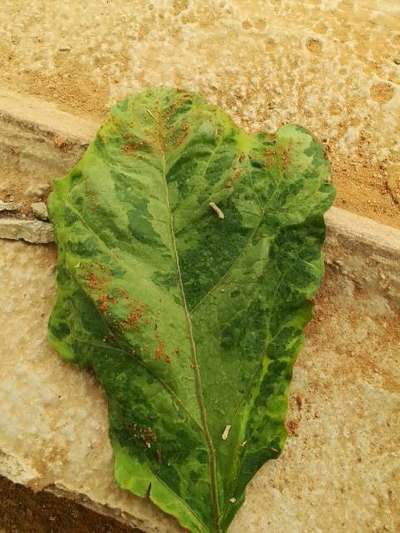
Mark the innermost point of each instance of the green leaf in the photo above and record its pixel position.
(188, 253)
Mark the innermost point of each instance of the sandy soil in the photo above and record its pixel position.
(23, 511)
(330, 65)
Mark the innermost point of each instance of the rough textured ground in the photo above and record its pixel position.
(340, 468)
(330, 65)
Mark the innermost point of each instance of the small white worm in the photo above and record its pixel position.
(226, 432)
(217, 210)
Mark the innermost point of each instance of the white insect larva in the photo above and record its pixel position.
(226, 432)
(217, 210)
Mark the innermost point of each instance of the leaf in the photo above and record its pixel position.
(188, 253)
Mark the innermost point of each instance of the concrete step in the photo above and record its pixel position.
(337, 473)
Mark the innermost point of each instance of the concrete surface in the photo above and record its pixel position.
(331, 65)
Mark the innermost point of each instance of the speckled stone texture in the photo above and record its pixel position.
(340, 468)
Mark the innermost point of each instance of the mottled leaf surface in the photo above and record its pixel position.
(190, 315)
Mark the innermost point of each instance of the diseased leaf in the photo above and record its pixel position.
(189, 252)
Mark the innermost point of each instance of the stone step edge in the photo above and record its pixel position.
(29, 113)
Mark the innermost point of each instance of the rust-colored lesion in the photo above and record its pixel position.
(160, 130)
(285, 158)
(133, 144)
(104, 302)
(92, 281)
(95, 281)
(135, 316)
(135, 311)
(97, 278)
(180, 137)
(94, 276)
(160, 353)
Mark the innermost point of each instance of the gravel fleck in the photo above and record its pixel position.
(39, 210)
(9, 206)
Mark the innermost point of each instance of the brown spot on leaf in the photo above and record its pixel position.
(129, 148)
(103, 303)
(160, 351)
(135, 315)
(132, 146)
(92, 281)
(285, 158)
(181, 135)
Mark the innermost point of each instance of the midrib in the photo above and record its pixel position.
(195, 366)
